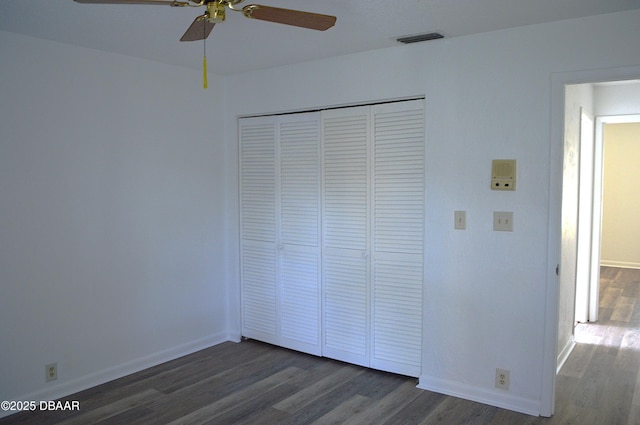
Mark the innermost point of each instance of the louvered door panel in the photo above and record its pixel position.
(300, 179)
(399, 180)
(397, 312)
(259, 292)
(299, 137)
(398, 236)
(300, 300)
(258, 265)
(346, 312)
(258, 179)
(346, 235)
(346, 179)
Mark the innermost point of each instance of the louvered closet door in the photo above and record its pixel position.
(299, 244)
(398, 236)
(258, 249)
(346, 235)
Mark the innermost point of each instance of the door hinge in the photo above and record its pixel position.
(557, 269)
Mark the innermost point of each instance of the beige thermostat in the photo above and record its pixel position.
(503, 174)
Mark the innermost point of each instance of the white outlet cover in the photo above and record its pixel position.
(51, 372)
(503, 221)
(502, 379)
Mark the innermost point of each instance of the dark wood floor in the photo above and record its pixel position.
(255, 383)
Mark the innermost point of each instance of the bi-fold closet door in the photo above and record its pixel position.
(373, 235)
(333, 234)
(280, 230)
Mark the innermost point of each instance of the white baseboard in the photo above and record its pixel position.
(564, 354)
(497, 398)
(620, 264)
(79, 384)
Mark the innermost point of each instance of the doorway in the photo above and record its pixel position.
(562, 249)
(593, 229)
(582, 197)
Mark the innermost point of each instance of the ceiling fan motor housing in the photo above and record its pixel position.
(215, 12)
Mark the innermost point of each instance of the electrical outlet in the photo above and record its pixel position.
(502, 379)
(51, 372)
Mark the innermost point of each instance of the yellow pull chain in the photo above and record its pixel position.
(204, 71)
(204, 55)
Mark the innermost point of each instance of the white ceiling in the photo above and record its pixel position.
(240, 44)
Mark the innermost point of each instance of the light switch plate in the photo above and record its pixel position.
(503, 221)
(460, 220)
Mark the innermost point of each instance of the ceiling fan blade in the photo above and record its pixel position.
(297, 18)
(199, 30)
(162, 2)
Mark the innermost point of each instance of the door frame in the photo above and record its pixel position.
(556, 145)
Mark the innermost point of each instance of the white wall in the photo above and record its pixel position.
(621, 203)
(617, 99)
(112, 249)
(488, 96)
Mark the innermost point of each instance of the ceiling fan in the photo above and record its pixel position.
(215, 13)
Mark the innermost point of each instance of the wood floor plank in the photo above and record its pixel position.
(344, 411)
(613, 336)
(458, 411)
(252, 411)
(632, 289)
(316, 407)
(626, 276)
(635, 315)
(623, 308)
(209, 389)
(268, 415)
(509, 417)
(113, 409)
(635, 401)
(192, 372)
(592, 384)
(634, 415)
(418, 408)
(206, 413)
(609, 296)
(581, 356)
(139, 413)
(318, 389)
(618, 395)
(370, 384)
(609, 273)
(572, 414)
(386, 407)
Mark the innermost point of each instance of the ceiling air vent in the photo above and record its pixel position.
(420, 37)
